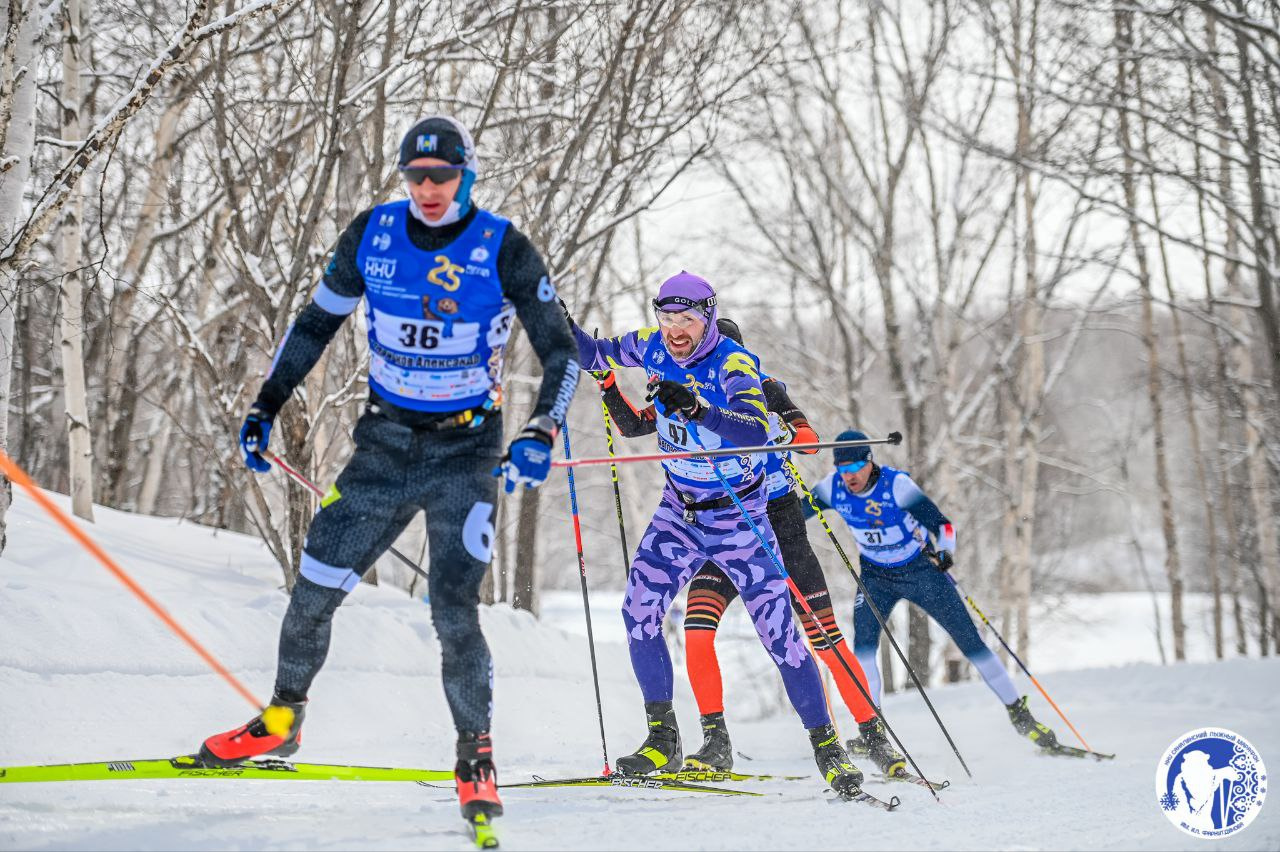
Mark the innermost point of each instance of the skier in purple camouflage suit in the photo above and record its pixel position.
(708, 395)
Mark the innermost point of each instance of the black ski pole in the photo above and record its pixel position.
(795, 472)
(600, 376)
(777, 563)
(586, 602)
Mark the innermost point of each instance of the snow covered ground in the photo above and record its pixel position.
(87, 673)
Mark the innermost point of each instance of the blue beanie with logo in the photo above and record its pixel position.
(844, 455)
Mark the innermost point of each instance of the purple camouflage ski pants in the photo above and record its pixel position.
(670, 551)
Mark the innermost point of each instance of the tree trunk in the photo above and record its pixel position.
(1227, 347)
(525, 594)
(1124, 48)
(80, 447)
(156, 451)
(116, 422)
(887, 673)
(1203, 486)
(502, 552)
(18, 85)
(1262, 234)
(1023, 419)
(918, 643)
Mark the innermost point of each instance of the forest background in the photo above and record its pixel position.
(1037, 238)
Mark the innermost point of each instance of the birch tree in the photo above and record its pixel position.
(17, 141)
(71, 291)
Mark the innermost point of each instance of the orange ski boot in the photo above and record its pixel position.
(476, 779)
(277, 731)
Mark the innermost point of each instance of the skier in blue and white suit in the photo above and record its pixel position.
(892, 521)
(441, 281)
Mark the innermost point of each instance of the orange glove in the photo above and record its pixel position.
(804, 434)
(604, 378)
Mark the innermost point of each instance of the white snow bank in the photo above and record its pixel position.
(87, 673)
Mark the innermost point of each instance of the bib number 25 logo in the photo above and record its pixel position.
(445, 274)
(1211, 782)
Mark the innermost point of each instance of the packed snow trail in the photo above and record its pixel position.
(86, 673)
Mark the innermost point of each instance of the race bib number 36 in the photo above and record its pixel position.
(426, 336)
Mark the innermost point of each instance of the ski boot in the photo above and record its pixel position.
(716, 753)
(1024, 723)
(879, 749)
(276, 731)
(661, 748)
(833, 762)
(475, 777)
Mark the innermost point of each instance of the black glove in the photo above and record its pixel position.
(676, 397)
(942, 560)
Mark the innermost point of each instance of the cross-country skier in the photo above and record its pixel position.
(892, 519)
(709, 395)
(711, 592)
(442, 281)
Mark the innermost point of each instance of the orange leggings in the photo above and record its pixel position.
(710, 593)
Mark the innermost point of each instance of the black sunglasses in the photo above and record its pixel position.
(435, 174)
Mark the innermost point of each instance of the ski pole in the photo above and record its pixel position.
(804, 604)
(586, 601)
(16, 474)
(880, 619)
(893, 438)
(315, 489)
(613, 474)
(1018, 660)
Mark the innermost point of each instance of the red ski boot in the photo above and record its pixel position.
(277, 731)
(476, 779)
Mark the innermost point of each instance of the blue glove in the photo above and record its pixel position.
(254, 435)
(528, 459)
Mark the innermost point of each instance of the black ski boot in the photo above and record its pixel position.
(717, 752)
(1024, 723)
(475, 777)
(661, 749)
(879, 749)
(833, 761)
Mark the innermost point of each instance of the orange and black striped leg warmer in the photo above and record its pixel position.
(702, 618)
(831, 657)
